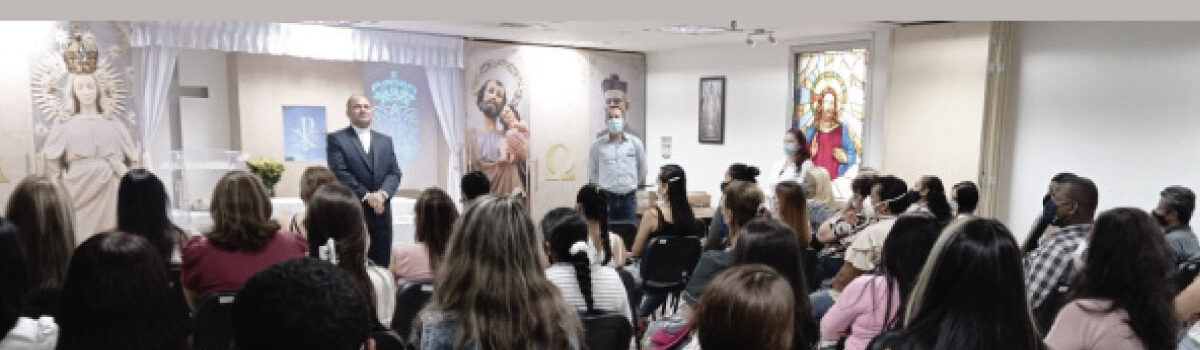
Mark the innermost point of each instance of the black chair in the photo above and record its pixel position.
(410, 299)
(667, 265)
(627, 231)
(212, 327)
(606, 331)
(631, 289)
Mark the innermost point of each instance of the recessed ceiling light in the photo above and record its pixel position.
(692, 29)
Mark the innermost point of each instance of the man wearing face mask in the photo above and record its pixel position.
(617, 164)
(1046, 220)
(1048, 265)
(1174, 213)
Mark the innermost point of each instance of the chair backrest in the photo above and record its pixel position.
(213, 322)
(410, 299)
(606, 331)
(631, 288)
(627, 231)
(668, 262)
(1185, 273)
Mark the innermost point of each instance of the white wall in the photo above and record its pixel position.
(1115, 102)
(20, 39)
(938, 76)
(204, 122)
(757, 103)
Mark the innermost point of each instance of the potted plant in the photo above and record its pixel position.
(268, 170)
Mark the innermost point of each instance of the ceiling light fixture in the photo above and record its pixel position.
(770, 34)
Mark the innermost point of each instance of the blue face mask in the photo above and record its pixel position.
(789, 148)
(615, 125)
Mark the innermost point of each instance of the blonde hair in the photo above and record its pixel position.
(491, 281)
(793, 210)
(818, 177)
(45, 218)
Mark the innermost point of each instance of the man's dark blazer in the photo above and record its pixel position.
(364, 173)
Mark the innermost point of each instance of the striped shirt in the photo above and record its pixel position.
(608, 291)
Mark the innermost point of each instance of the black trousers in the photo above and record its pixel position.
(379, 228)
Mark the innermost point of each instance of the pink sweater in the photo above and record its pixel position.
(1080, 326)
(860, 309)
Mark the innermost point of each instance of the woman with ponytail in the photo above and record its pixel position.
(933, 198)
(334, 222)
(585, 285)
(675, 217)
(591, 202)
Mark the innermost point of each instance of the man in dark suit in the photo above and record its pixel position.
(364, 160)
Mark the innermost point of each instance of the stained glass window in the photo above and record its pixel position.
(829, 101)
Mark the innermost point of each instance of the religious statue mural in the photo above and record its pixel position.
(83, 129)
(497, 138)
(396, 114)
(830, 107)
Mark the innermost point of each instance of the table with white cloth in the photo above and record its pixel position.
(282, 208)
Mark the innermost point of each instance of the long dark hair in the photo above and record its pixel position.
(801, 154)
(117, 296)
(43, 213)
(594, 206)
(743, 172)
(435, 216)
(334, 213)
(142, 204)
(564, 228)
(681, 211)
(1128, 263)
(241, 213)
(935, 197)
(904, 252)
(771, 242)
(12, 272)
(970, 294)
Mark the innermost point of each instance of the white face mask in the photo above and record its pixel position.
(868, 208)
(954, 207)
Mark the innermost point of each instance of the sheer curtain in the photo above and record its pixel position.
(156, 67)
(446, 90)
(303, 40)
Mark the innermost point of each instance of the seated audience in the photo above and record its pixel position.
(435, 215)
(336, 233)
(717, 229)
(746, 307)
(491, 290)
(1174, 213)
(143, 209)
(965, 198)
(584, 283)
(933, 197)
(761, 241)
(591, 202)
(117, 296)
(1046, 219)
(874, 303)
(242, 241)
(863, 253)
(18, 332)
(311, 179)
(836, 233)
(301, 304)
(1051, 264)
(1123, 296)
(45, 220)
(968, 295)
(791, 206)
(474, 184)
(675, 217)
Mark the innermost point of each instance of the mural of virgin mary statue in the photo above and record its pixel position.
(88, 149)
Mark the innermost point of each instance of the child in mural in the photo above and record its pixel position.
(516, 139)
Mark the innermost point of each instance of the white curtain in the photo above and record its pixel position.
(156, 67)
(303, 40)
(446, 90)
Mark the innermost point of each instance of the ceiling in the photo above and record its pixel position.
(641, 36)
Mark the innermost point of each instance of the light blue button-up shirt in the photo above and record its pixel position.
(617, 166)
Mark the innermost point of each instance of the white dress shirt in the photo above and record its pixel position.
(364, 136)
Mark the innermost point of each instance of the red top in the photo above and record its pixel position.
(207, 268)
(826, 142)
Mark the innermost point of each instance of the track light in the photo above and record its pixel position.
(771, 39)
(749, 41)
(770, 34)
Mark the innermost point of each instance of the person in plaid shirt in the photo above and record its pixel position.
(1075, 207)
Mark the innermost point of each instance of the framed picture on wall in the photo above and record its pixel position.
(712, 110)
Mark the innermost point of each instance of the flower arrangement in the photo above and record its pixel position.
(268, 170)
